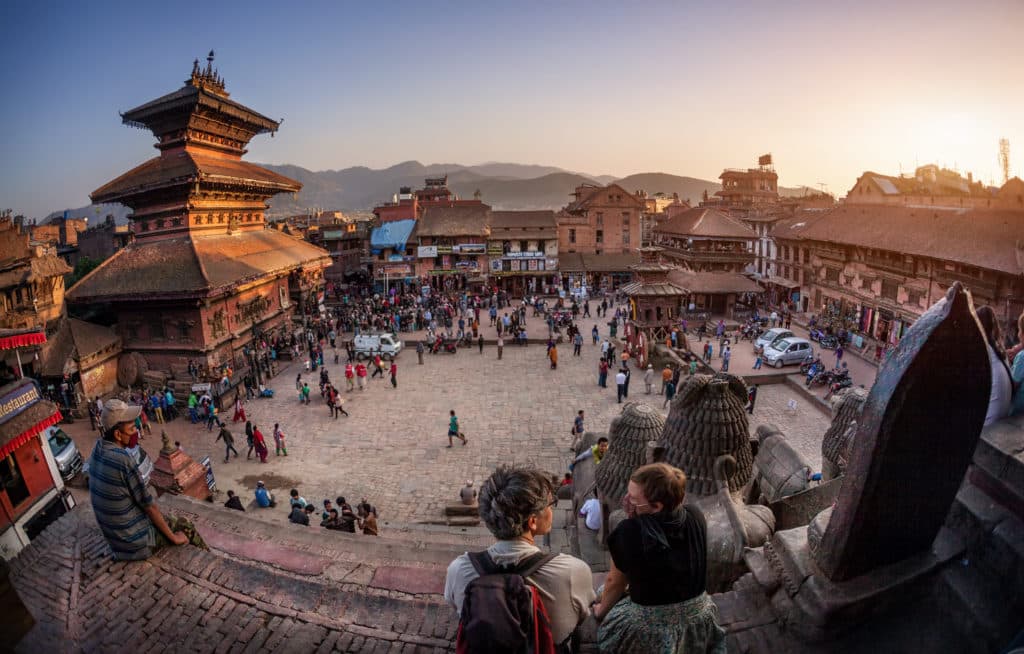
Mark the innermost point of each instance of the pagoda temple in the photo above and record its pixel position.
(202, 277)
(654, 302)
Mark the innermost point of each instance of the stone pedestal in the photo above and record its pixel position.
(179, 474)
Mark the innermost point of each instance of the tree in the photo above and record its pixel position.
(83, 267)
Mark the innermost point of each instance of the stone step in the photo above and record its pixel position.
(981, 607)
(187, 599)
(993, 534)
(1000, 455)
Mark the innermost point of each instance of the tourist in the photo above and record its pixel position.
(279, 444)
(154, 403)
(239, 408)
(1001, 396)
(839, 354)
(296, 499)
(517, 505)
(479, 340)
(620, 384)
(693, 367)
(602, 373)
(264, 498)
(419, 352)
(1016, 355)
(726, 357)
(468, 494)
(591, 512)
(350, 374)
(595, 452)
(394, 374)
(361, 375)
(378, 366)
(332, 520)
(567, 479)
(346, 517)
(577, 344)
(649, 377)
(605, 346)
(577, 431)
(193, 402)
(670, 392)
(751, 398)
(125, 510)
(304, 394)
(234, 502)
(758, 360)
(453, 428)
(666, 376)
(249, 440)
(660, 552)
(501, 346)
(260, 444)
(553, 356)
(298, 382)
(625, 388)
(368, 515)
(229, 442)
(299, 516)
(594, 334)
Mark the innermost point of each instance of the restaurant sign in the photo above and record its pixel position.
(17, 400)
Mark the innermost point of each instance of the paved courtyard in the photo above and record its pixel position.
(392, 450)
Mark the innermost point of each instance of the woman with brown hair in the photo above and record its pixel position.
(660, 553)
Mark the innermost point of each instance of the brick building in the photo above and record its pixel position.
(31, 279)
(753, 187)
(523, 251)
(452, 245)
(601, 220)
(876, 267)
(204, 277)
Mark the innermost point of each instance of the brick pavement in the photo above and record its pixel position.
(392, 448)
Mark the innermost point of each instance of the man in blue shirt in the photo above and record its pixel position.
(264, 498)
(125, 510)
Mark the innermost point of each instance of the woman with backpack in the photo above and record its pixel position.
(660, 552)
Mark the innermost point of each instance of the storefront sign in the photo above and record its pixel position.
(399, 257)
(426, 251)
(494, 248)
(470, 248)
(444, 249)
(395, 270)
(495, 265)
(467, 265)
(201, 388)
(17, 401)
(524, 255)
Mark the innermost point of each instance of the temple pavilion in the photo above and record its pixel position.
(202, 278)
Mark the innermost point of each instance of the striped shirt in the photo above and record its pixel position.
(118, 498)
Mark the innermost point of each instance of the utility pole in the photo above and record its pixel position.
(1004, 158)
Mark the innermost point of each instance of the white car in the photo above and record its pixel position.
(786, 351)
(772, 335)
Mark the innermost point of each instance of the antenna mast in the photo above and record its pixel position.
(1004, 158)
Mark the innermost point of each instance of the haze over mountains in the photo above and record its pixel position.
(505, 186)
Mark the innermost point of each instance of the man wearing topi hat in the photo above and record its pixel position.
(125, 510)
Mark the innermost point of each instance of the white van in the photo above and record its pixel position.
(369, 344)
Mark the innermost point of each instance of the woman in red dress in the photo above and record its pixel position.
(239, 409)
(260, 443)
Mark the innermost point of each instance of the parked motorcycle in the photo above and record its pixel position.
(829, 342)
(809, 362)
(841, 381)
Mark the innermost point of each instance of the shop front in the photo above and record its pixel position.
(32, 492)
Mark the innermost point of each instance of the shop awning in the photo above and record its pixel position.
(23, 414)
(14, 338)
(779, 281)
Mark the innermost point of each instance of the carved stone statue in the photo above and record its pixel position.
(707, 420)
(837, 442)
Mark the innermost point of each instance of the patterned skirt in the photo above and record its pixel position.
(688, 627)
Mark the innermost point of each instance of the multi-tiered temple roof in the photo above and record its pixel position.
(198, 219)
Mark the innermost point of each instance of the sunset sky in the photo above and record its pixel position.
(829, 88)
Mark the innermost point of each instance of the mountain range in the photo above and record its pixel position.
(506, 186)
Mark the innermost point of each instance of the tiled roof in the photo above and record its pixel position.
(714, 282)
(183, 167)
(35, 269)
(187, 97)
(74, 339)
(532, 220)
(579, 262)
(706, 223)
(987, 238)
(189, 266)
(458, 220)
(657, 289)
(590, 197)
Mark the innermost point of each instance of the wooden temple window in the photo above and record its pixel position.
(156, 329)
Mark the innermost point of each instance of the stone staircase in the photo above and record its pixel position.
(262, 586)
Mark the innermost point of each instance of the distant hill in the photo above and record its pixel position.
(508, 186)
(96, 213)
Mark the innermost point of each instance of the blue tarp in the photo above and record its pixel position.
(392, 235)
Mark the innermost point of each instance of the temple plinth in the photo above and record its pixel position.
(179, 474)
